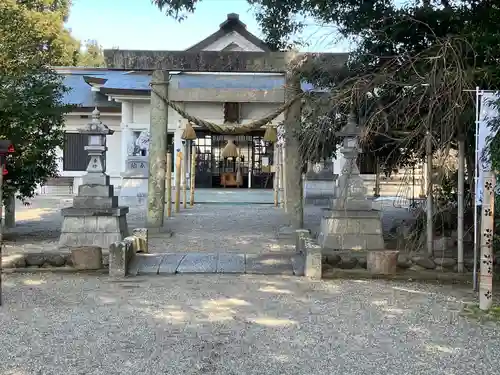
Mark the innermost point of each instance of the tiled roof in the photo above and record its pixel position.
(80, 92)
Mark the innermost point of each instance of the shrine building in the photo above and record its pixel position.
(123, 99)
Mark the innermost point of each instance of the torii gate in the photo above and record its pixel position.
(291, 64)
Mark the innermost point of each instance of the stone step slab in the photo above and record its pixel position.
(231, 263)
(172, 263)
(198, 263)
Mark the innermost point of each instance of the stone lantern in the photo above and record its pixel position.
(95, 219)
(350, 223)
(96, 132)
(350, 190)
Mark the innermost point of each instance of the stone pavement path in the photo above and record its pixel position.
(172, 263)
(233, 228)
(237, 324)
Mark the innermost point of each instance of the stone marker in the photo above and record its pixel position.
(87, 257)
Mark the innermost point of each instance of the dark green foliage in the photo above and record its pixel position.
(33, 119)
(32, 38)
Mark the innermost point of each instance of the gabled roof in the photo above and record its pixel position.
(232, 23)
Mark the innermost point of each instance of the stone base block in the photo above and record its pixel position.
(351, 230)
(121, 254)
(95, 202)
(87, 230)
(134, 187)
(87, 257)
(96, 190)
(313, 266)
(382, 262)
(141, 239)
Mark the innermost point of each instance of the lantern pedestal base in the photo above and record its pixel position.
(93, 226)
(134, 186)
(351, 230)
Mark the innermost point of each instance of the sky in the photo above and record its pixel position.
(137, 24)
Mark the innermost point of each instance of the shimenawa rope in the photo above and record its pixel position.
(228, 128)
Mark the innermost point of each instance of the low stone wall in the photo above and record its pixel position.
(137, 242)
(42, 260)
(405, 262)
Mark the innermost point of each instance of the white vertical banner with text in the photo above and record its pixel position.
(487, 111)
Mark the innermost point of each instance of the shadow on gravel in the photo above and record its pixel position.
(218, 324)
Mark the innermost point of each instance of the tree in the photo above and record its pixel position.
(92, 55)
(32, 39)
(408, 72)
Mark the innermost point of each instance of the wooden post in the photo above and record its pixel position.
(183, 177)
(430, 226)
(487, 231)
(1, 228)
(178, 163)
(376, 190)
(193, 175)
(276, 177)
(460, 209)
(280, 177)
(168, 184)
(423, 179)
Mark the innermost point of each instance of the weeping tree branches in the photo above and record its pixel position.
(397, 100)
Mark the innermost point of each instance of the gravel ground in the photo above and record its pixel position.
(221, 324)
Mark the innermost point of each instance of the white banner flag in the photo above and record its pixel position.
(487, 111)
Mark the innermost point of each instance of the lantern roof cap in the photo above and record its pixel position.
(351, 129)
(96, 126)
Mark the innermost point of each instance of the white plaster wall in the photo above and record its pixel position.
(136, 117)
(255, 111)
(140, 112)
(141, 117)
(233, 37)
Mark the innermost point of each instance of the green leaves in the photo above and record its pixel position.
(32, 38)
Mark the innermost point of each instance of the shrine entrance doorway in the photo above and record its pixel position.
(254, 164)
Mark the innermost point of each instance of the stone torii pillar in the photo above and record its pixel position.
(158, 127)
(292, 163)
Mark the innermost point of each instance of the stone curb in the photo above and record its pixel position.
(416, 262)
(445, 277)
(7, 271)
(40, 260)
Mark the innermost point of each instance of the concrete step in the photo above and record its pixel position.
(231, 263)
